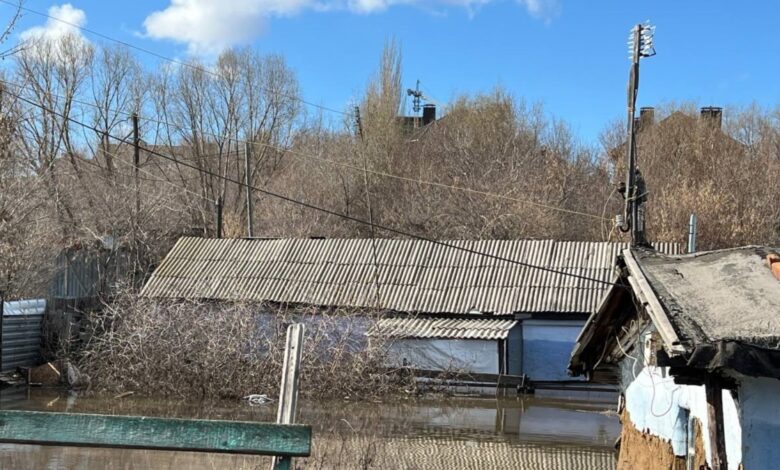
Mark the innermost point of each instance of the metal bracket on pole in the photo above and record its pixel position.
(288, 395)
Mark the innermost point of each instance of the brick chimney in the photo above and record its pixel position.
(712, 115)
(646, 117)
(429, 114)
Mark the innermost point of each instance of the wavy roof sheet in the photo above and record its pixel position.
(409, 275)
(442, 328)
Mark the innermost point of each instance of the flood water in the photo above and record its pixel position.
(452, 433)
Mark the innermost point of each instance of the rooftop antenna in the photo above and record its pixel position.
(640, 45)
(417, 98)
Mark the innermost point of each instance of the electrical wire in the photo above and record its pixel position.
(179, 63)
(383, 174)
(311, 206)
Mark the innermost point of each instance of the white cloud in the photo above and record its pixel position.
(71, 19)
(542, 9)
(209, 26)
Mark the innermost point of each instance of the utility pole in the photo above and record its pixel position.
(248, 183)
(640, 44)
(218, 207)
(136, 162)
(359, 127)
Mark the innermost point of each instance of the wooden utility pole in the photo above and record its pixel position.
(136, 164)
(361, 149)
(248, 184)
(218, 207)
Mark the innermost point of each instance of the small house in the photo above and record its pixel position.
(476, 345)
(694, 343)
(493, 306)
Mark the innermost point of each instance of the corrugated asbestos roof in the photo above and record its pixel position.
(411, 275)
(442, 328)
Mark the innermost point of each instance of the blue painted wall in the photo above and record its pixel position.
(547, 346)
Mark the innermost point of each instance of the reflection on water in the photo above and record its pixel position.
(522, 433)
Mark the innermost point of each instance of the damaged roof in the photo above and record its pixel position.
(408, 276)
(717, 310)
(728, 295)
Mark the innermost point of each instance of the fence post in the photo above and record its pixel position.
(288, 395)
(2, 319)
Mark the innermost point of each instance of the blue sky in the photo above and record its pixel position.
(569, 54)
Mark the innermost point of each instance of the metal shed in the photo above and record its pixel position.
(489, 346)
(21, 333)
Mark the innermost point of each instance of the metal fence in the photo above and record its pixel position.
(21, 333)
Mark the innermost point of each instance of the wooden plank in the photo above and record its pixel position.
(655, 309)
(715, 429)
(138, 432)
(288, 395)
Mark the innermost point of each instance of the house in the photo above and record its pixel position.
(444, 304)
(678, 130)
(695, 342)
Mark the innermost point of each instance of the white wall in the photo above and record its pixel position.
(659, 406)
(479, 356)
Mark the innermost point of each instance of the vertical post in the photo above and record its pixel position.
(633, 86)
(288, 395)
(248, 184)
(2, 320)
(377, 292)
(714, 393)
(219, 216)
(136, 163)
(692, 234)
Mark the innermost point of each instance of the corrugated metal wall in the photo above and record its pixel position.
(77, 276)
(21, 337)
(88, 273)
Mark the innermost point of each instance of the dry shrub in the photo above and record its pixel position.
(228, 350)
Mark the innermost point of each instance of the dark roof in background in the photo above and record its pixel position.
(412, 275)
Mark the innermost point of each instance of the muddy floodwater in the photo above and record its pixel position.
(452, 433)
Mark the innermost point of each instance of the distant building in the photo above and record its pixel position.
(410, 124)
(694, 342)
(441, 305)
(709, 121)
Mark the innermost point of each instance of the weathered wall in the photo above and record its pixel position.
(666, 410)
(479, 356)
(644, 450)
(547, 346)
(760, 422)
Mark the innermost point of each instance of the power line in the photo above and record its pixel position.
(163, 57)
(322, 209)
(383, 174)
